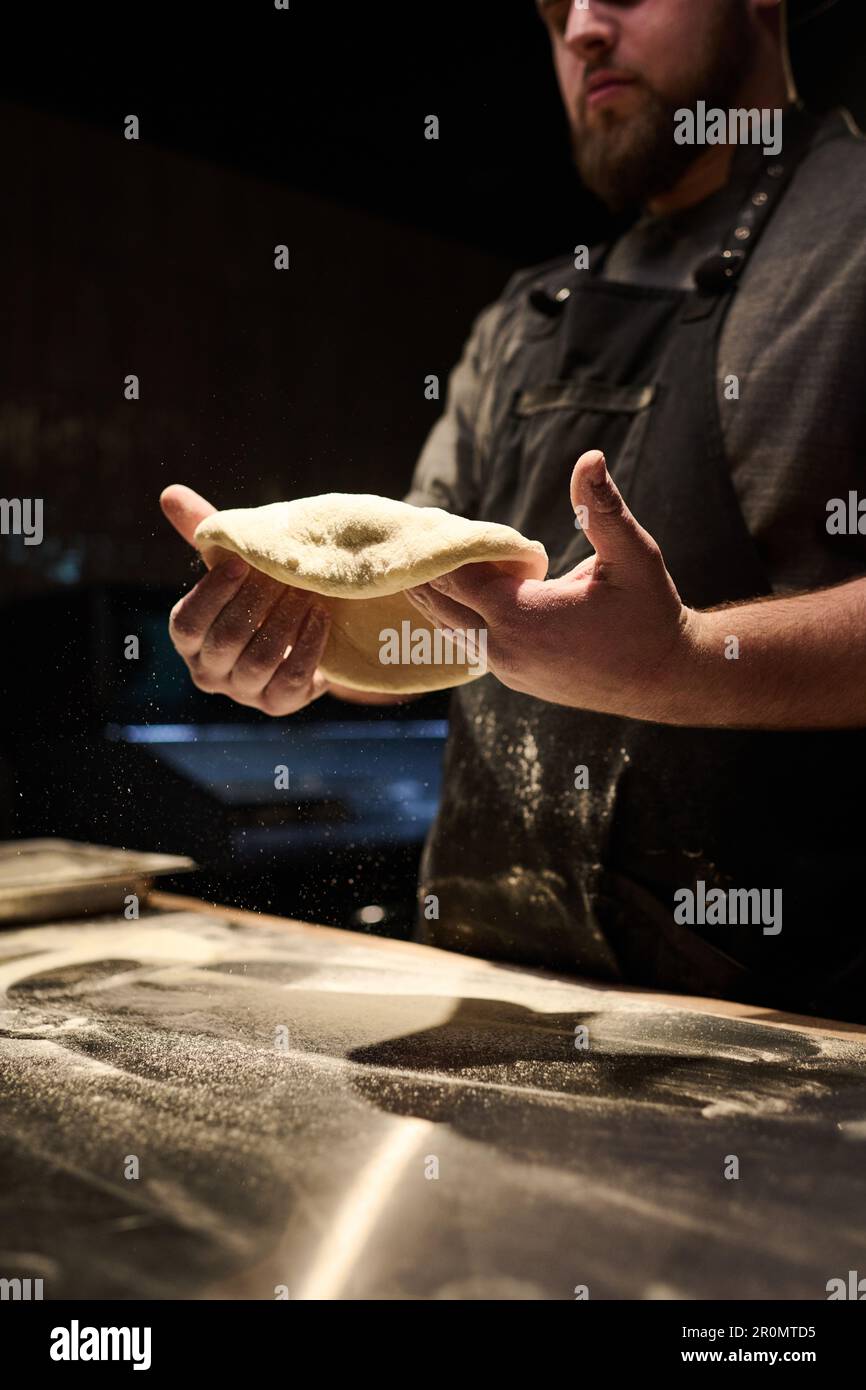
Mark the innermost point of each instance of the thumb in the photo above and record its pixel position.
(185, 509)
(618, 540)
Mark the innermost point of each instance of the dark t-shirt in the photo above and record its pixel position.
(795, 339)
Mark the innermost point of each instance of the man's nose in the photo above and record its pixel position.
(591, 30)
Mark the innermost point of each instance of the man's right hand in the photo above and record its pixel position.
(241, 633)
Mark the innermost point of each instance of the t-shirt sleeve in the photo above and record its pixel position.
(446, 474)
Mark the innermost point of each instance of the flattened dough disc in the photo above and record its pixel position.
(359, 553)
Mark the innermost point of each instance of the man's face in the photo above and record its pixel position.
(625, 66)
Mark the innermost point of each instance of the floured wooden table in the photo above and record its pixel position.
(210, 1103)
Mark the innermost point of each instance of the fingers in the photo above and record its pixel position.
(238, 621)
(618, 540)
(234, 630)
(191, 618)
(442, 611)
(266, 650)
(184, 509)
(468, 597)
(296, 681)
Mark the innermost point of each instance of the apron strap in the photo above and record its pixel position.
(718, 273)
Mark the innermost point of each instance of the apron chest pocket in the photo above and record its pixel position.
(544, 430)
(588, 396)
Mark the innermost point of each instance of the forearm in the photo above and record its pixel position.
(785, 663)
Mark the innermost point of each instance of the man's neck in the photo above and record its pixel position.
(704, 177)
(711, 170)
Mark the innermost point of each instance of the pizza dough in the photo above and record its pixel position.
(359, 553)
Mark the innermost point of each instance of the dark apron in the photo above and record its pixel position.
(523, 866)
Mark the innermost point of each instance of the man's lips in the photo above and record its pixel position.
(603, 85)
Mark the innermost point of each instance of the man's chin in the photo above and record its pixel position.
(630, 162)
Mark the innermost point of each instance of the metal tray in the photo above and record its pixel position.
(41, 880)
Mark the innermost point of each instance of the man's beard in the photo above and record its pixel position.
(628, 161)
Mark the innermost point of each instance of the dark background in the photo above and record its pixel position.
(155, 257)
